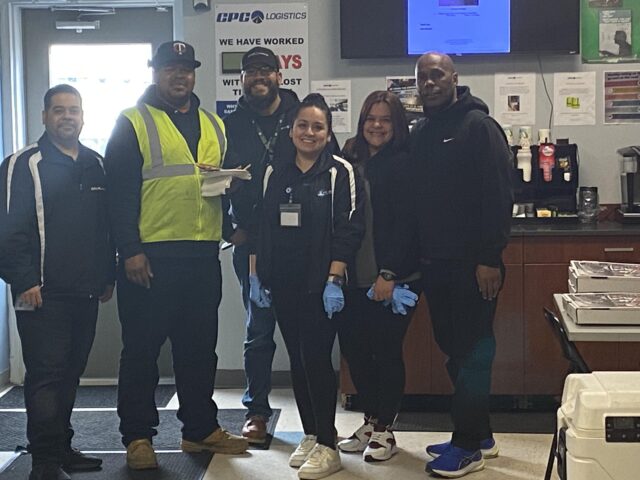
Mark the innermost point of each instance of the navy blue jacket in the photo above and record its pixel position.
(56, 233)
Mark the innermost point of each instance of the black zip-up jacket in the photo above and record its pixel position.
(246, 148)
(336, 215)
(123, 164)
(57, 208)
(384, 172)
(461, 199)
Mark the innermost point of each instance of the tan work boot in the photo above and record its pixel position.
(220, 441)
(140, 455)
(255, 429)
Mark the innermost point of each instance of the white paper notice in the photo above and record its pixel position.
(337, 94)
(515, 99)
(574, 98)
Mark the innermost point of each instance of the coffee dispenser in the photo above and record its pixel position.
(630, 186)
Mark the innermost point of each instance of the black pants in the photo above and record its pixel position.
(463, 328)
(56, 341)
(309, 336)
(182, 304)
(371, 339)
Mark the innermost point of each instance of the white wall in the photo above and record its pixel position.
(597, 144)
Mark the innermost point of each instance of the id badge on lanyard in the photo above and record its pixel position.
(290, 213)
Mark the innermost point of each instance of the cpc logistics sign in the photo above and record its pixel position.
(281, 27)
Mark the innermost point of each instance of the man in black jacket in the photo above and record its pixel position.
(258, 134)
(61, 264)
(460, 206)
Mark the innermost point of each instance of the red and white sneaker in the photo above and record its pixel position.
(359, 440)
(382, 446)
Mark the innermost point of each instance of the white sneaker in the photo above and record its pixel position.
(302, 451)
(322, 462)
(382, 446)
(359, 440)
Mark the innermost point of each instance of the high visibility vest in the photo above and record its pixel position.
(172, 206)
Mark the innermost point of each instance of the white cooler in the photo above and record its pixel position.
(599, 427)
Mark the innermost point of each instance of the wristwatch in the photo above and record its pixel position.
(336, 279)
(387, 275)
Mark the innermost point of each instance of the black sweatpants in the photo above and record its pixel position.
(309, 336)
(371, 340)
(56, 341)
(182, 304)
(463, 328)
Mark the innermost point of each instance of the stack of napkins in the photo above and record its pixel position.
(592, 277)
(216, 182)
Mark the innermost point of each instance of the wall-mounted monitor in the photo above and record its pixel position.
(399, 28)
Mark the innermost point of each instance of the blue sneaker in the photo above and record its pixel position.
(456, 462)
(488, 447)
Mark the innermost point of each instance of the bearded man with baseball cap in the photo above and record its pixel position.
(167, 235)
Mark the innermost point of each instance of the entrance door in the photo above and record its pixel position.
(108, 66)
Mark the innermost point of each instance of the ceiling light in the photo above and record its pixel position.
(78, 25)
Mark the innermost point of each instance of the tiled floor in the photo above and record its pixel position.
(522, 457)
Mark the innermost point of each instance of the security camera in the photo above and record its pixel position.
(201, 5)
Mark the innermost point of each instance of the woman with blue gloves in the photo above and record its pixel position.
(371, 331)
(311, 224)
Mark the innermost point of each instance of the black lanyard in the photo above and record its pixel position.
(270, 144)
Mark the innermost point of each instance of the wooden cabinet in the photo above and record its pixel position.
(546, 262)
(528, 359)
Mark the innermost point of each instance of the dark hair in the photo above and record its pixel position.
(357, 148)
(314, 100)
(62, 88)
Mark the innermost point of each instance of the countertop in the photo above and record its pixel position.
(574, 229)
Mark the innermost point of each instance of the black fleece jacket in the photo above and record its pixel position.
(246, 148)
(335, 215)
(461, 198)
(384, 172)
(123, 164)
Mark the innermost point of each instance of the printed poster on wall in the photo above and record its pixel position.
(515, 99)
(281, 27)
(574, 98)
(610, 31)
(622, 97)
(406, 90)
(337, 94)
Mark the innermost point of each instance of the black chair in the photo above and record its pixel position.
(577, 364)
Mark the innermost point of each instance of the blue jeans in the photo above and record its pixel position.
(259, 346)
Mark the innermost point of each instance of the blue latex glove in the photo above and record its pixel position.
(257, 293)
(402, 298)
(333, 299)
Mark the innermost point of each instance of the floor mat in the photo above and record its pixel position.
(98, 431)
(172, 466)
(94, 396)
(503, 422)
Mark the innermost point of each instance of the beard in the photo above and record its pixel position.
(261, 102)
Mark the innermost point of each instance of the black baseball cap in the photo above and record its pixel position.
(174, 52)
(259, 56)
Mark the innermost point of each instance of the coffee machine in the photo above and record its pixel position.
(630, 186)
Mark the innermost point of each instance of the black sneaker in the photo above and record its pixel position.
(75, 461)
(48, 471)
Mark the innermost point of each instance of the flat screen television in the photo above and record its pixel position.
(400, 28)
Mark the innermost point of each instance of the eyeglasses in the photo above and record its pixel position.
(262, 71)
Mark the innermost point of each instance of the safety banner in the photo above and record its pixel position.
(281, 27)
